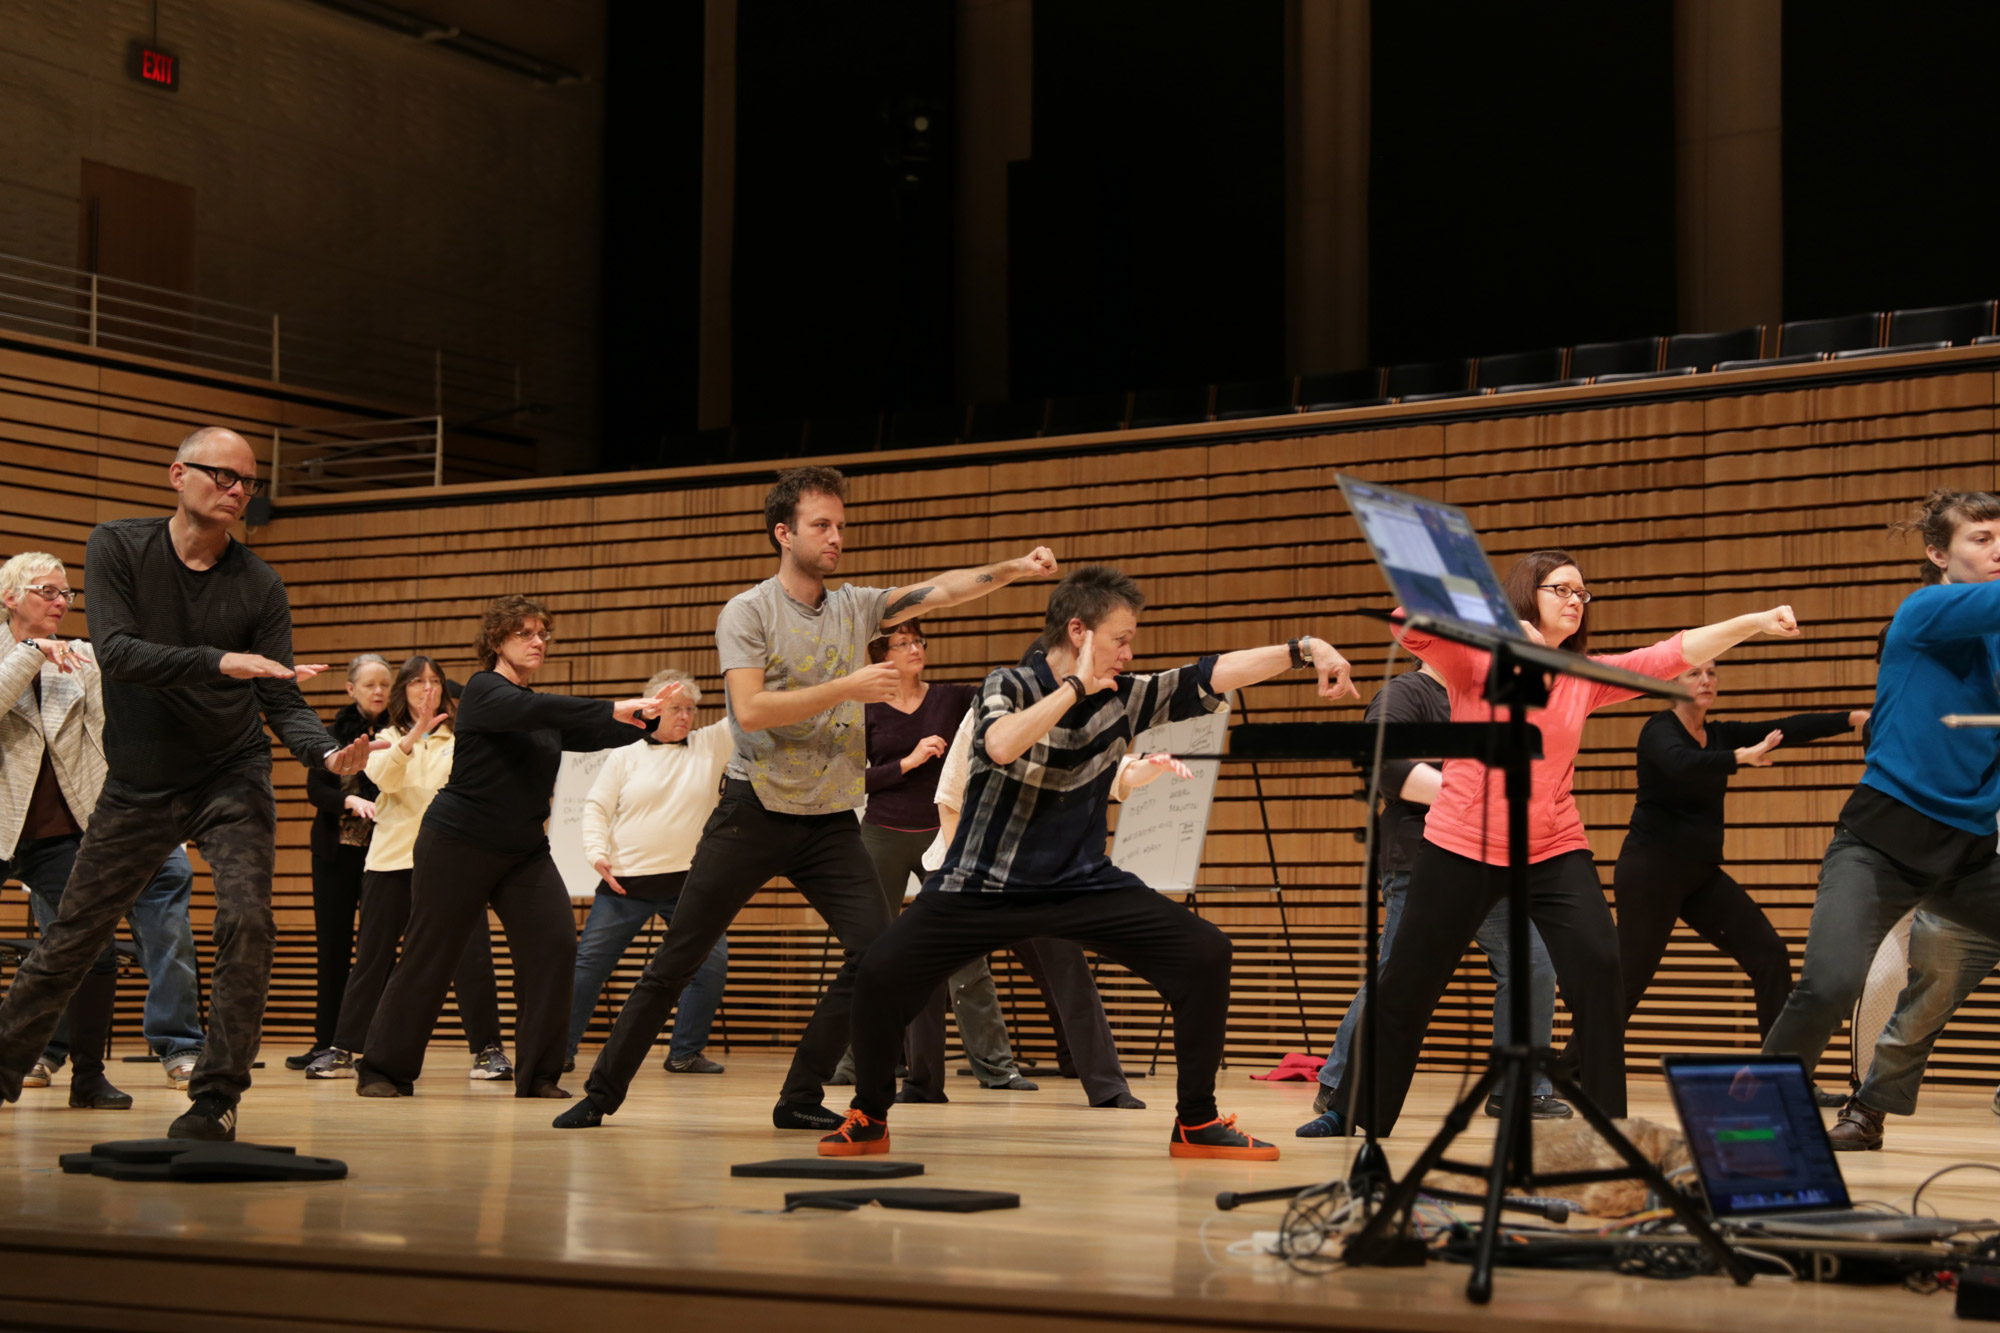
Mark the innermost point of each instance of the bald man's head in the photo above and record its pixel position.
(217, 446)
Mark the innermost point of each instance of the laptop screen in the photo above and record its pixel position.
(1431, 557)
(1755, 1134)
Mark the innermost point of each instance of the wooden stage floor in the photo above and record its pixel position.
(464, 1210)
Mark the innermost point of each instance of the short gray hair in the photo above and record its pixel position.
(364, 659)
(199, 436)
(15, 574)
(689, 690)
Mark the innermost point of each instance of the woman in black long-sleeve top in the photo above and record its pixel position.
(481, 844)
(1671, 864)
(341, 825)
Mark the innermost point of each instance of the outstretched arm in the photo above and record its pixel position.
(964, 585)
(1699, 645)
(1251, 665)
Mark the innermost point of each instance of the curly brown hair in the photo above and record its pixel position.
(781, 505)
(506, 615)
(1939, 517)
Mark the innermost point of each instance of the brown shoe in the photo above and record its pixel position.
(1858, 1129)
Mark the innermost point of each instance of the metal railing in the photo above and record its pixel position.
(362, 454)
(52, 301)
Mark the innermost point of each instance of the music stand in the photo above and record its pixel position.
(1432, 557)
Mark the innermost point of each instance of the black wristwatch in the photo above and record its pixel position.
(1299, 658)
(1077, 681)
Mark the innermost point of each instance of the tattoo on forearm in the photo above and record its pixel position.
(907, 601)
(984, 578)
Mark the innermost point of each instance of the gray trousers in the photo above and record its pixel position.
(1063, 973)
(898, 854)
(1862, 893)
(233, 818)
(1947, 963)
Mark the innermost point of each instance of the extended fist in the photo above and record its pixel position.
(1779, 621)
(875, 684)
(1039, 563)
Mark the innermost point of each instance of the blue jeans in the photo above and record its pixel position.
(160, 929)
(1947, 962)
(1492, 938)
(614, 922)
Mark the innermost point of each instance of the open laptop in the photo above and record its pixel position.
(1439, 572)
(1762, 1155)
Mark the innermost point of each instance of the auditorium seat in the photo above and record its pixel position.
(1930, 326)
(924, 424)
(1082, 413)
(1702, 351)
(1626, 377)
(1856, 352)
(1512, 372)
(1429, 381)
(1827, 336)
(1242, 399)
(1760, 362)
(1170, 407)
(1334, 389)
(1005, 421)
(1633, 358)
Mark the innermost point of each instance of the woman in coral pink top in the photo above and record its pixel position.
(1461, 871)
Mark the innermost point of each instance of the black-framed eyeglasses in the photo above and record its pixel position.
(224, 478)
(1564, 592)
(49, 592)
(524, 634)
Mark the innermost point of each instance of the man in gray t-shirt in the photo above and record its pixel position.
(796, 676)
(812, 767)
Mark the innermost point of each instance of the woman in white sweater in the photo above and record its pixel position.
(641, 821)
(409, 773)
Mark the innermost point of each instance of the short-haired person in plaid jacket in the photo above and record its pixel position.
(1029, 856)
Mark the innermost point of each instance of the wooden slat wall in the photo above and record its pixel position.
(1683, 510)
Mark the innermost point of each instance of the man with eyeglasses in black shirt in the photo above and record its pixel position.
(193, 635)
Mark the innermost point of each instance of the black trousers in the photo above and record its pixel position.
(1654, 888)
(451, 887)
(1449, 896)
(743, 846)
(1180, 955)
(336, 897)
(233, 818)
(385, 911)
(1085, 1048)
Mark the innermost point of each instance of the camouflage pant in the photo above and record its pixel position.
(233, 817)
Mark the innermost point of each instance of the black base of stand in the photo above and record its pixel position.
(1512, 1072)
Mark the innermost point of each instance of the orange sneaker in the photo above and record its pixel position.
(1217, 1138)
(858, 1136)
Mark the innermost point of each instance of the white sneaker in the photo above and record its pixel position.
(40, 1076)
(491, 1063)
(180, 1068)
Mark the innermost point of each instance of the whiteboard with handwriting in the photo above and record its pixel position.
(579, 770)
(1162, 828)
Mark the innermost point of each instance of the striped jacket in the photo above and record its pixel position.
(69, 724)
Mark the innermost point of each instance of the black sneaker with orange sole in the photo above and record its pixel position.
(858, 1136)
(1218, 1138)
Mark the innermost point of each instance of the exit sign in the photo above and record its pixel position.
(157, 67)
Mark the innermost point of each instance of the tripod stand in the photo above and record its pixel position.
(1516, 681)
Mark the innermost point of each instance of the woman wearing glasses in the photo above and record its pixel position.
(1671, 864)
(481, 845)
(1461, 869)
(907, 738)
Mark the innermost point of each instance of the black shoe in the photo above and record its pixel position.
(381, 1088)
(301, 1061)
(1821, 1097)
(1124, 1101)
(569, 1065)
(911, 1094)
(801, 1115)
(1323, 1100)
(1539, 1108)
(211, 1119)
(550, 1091)
(694, 1064)
(584, 1115)
(93, 1092)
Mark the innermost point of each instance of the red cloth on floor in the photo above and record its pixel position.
(1294, 1068)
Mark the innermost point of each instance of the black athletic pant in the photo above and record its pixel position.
(336, 896)
(1180, 955)
(1449, 896)
(1654, 888)
(453, 884)
(385, 911)
(233, 818)
(743, 846)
